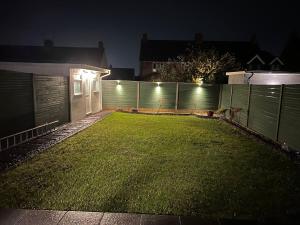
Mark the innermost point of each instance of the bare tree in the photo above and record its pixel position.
(206, 65)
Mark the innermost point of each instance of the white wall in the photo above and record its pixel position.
(78, 102)
(274, 78)
(268, 78)
(237, 79)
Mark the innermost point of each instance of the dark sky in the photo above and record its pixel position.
(120, 24)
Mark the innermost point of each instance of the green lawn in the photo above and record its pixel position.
(179, 165)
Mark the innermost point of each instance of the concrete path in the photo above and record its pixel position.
(15, 155)
(49, 217)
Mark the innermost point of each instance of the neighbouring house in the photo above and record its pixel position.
(36, 90)
(264, 60)
(263, 77)
(155, 53)
(120, 74)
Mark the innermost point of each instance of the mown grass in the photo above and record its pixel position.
(157, 164)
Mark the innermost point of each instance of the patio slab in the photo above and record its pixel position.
(120, 219)
(81, 218)
(41, 217)
(11, 216)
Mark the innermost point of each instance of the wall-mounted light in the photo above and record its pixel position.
(119, 86)
(157, 87)
(87, 74)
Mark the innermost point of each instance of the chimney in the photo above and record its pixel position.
(145, 37)
(100, 45)
(48, 43)
(198, 38)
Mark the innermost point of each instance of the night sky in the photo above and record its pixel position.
(120, 24)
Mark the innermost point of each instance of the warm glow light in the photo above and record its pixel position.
(118, 82)
(199, 81)
(158, 83)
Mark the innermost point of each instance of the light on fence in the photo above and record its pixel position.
(119, 87)
(199, 89)
(158, 87)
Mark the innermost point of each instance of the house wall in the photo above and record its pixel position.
(146, 68)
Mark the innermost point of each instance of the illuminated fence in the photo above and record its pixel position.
(270, 110)
(159, 96)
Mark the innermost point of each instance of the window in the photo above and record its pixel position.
(156, 66)
(95, 84)
(77, 85)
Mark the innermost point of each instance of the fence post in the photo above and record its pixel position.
(138, 95)
(177, 95)
(248, 104)
(231, 92)
(279, 111)
(220, 96)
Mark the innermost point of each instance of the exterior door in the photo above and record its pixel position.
(88, 99)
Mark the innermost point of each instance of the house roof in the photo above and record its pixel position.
(162, 50)
(54, 69)
(263, 56)
(52, 54)
(276, 59)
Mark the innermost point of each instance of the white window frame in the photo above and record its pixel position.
(77, 79)
(96, 81)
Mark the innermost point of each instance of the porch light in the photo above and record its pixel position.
(88, 74)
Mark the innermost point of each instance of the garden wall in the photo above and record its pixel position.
(270, 110)
(163, 96)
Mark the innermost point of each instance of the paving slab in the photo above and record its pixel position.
(11, 216)
(120, 219)
(160, 220)
(81, 218)
(41, 217)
